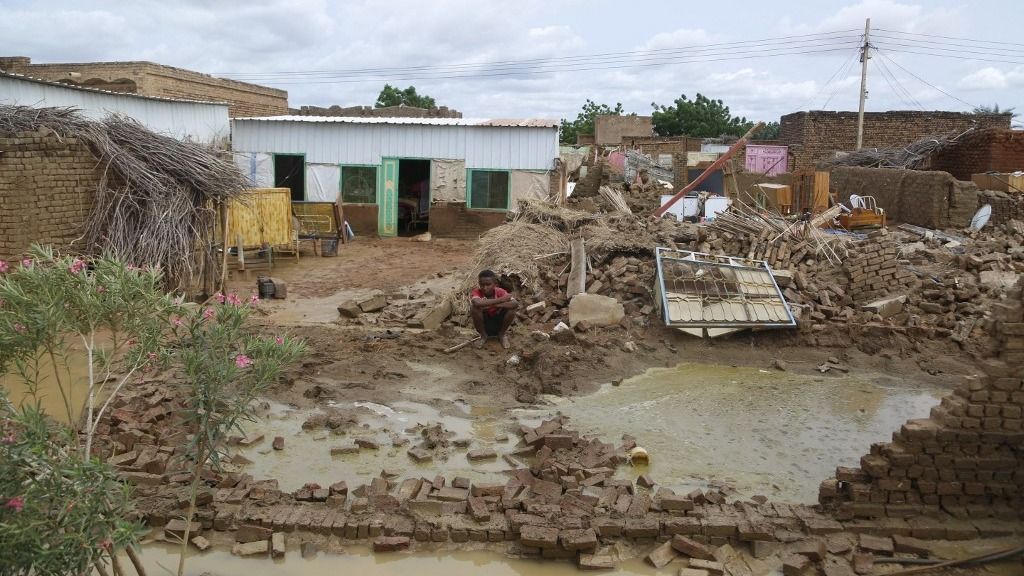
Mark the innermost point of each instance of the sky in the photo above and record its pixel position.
(543, 59)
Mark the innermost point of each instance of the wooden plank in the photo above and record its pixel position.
(262, 216)
(578, 269)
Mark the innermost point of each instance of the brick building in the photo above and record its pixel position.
(990, 150)
(371, 111)
(610, 130)
(149, 79)
(818, 135)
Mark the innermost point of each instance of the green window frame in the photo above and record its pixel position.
(358, 184)
(489, 189)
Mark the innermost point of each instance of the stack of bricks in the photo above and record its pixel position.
(1006, 206)
(967, 459)
(874, 272)
(47, 188)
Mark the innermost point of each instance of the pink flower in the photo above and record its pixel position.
(17, 503)
(219, 297)
(151, 356)
(278, 340)
(106, 544)
(177, 321)
(77, 266)
(233, 299)
(26, 262)
(9, 439)
(19, 328)
(254, 298)
(4, 266)
(243, 361)
(208, 313)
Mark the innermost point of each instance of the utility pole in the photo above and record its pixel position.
(864, 55)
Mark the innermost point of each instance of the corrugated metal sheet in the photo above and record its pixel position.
(197, 121)
(494, 122)
(341, 140)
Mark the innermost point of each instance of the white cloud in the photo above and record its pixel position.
(992, 78)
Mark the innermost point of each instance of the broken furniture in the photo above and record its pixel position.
(319, 221)
(864, 213)
(811, 191)
(708, 296)
(257, 222)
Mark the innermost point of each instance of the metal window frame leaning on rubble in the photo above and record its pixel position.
(747, 286)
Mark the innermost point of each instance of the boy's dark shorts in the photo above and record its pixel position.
(492, 324)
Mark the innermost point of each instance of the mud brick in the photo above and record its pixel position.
(622, 504)
(177, 526)
(662, 555)
(390, 543)
(822, 525)
(538, 536)
(712, 567)
(750, 530)
(639, 506)
(546, 489)
(420, 454)
(408, 489)
(481, 490)
(478, 509)
(251, 548)
(607, 527)
(278, 443)
(675, 502)
(683, 525)
(451, 494)
(459, 535)
(580, 540)
(692, 572)
(641, 528)
(796, 565)
(910, 545)
(716, 525)
(927, 528)
(599, 561)
(252, 533)
(518, 520)
(439, 534)
(558, 441)
(477, 535)
(691, 548)
(863, 563)
(557, 554)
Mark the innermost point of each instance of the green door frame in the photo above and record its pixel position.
(387, 197)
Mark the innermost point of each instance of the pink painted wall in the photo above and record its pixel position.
(767, 160)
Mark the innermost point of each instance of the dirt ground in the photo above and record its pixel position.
(380, 361)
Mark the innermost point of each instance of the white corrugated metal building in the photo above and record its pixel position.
(398, 174)
(193, 120)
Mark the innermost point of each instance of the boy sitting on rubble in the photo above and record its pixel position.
(492, 309)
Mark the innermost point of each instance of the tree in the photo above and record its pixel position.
(584, 122)
(770, 131)
(701, 117)
(994, 109)
(393, 96)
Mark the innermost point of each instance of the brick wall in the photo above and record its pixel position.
(612, 130)
(874, 272)
(1005, 206)
(47, 188)
(454, 220)
(991, 150)
(966, 459)
(165, 81)
(818, 135)
(924, 198)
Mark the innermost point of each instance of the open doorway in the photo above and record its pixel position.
(290, 172)
(413, 196)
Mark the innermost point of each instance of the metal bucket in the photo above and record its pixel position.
(329, 247)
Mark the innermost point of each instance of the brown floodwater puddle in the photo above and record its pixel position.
(762, 432)
(46, 393)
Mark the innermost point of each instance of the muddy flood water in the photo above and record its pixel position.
(757, 431)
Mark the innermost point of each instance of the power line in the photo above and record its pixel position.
(835, 90)
(565, 68)
(935, 44)
(899, 84)
(955, 50)
(901, 92)
(953, 56)
(817, 40)
(949, 37)
(842, 65)
(922, 80)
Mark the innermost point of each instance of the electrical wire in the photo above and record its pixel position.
(766, 42)
(528, 72)
(922, 80)
(894, 83)
(948, 37)
(976, 58)
(934, 44)
(835, 91)
(835, 75)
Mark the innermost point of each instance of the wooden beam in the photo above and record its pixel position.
(578, 270)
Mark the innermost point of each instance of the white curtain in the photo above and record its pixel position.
(322, 182)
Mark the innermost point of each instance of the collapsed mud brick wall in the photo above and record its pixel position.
(613, 130)
(967, 459)
(874, 272)
(923, 198)
(990, 150)
(149, 79)
(456, 220)
(1005, 206)
(385, 112)
(47, 188)
(816, 136)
